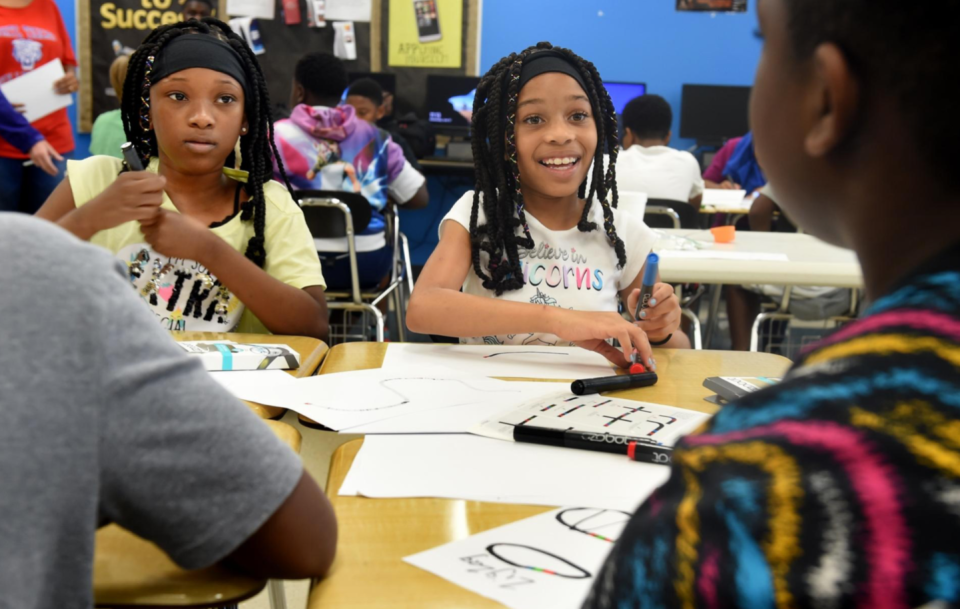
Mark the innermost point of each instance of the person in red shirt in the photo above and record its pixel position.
(32, 34)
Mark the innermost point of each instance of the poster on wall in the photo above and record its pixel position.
(727, 6)
(109, 29)
(425, 33)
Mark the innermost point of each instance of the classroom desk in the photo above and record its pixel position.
(811, 262)
(729, 211)
(368, 572)
(311, 350)
(129, 571)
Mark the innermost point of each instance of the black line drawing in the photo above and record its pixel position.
(521, 554)
(525, 353)
(403, 398)
(590, 520)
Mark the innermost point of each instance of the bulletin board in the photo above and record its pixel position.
(106, 27)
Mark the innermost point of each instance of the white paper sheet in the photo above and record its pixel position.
(482, 469)
(568, 547)
(563, 410)
(35, 90)
(347, 399)
(253, 384)
(454, 419)
(349, 10)
(725, 199)
(536, 362)
(723, 255)
(261, 9)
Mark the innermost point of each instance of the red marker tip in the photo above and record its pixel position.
(637, 369)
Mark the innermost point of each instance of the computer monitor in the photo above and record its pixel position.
(711, 114)
(622, 92)
(450, 101)
(387, 82)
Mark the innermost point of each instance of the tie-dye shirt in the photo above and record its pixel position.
(840, 487)
(331, 149)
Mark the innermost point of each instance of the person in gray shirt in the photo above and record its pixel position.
(104, 419)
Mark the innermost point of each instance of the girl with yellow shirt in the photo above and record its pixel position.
(196, 108)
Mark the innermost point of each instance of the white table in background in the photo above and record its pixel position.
(810, 262)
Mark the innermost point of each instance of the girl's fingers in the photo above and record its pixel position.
(641, 343)
(613, 355)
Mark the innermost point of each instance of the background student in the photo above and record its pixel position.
(106, 420)
(835, 488)
(647, 164)
(367, 98)
(212, 243)
(34, 35)
(539, 259)
(197, 9)
(107, 135)
(324, 146)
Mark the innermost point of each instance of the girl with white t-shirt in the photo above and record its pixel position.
(527, 258)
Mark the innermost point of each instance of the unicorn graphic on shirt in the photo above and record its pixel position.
(28, 53)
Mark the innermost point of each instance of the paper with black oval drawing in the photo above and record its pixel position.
(549, 560)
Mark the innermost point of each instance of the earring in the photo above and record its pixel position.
(243, 129)
(237, 159)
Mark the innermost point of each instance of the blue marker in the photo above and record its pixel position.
(649, 280)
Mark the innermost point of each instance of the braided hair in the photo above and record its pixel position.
(257, 147)
(498, 176)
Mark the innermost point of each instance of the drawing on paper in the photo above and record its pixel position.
(525, 353)
(594, 522)
(611, 414)
(528, 557)
(404, 399)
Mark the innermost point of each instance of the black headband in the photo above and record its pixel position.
(198, 51)
(546, 61)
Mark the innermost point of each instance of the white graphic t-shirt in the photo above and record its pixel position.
(569, 268)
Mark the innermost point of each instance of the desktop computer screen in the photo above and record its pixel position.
(712, 114)
(450, 100)
(387, 82)
(622, 92)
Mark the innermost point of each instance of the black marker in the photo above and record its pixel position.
(131, 157)
(613, 383)
(638, 449)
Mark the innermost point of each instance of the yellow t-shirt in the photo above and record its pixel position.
(182, 293)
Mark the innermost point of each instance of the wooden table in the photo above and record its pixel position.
(377, 533)
(129, 571)
(311, 350)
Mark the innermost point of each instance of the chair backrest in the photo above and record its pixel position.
(634, 203)
(329, 222)
(688, 215)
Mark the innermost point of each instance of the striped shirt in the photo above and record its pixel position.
(839, 487)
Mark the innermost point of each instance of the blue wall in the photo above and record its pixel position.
(631, 40)
(628, 40)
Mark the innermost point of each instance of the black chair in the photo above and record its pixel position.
(667, 213)
(337, 214)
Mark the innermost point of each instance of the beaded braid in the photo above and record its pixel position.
(257, 148)
(498, 177)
